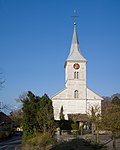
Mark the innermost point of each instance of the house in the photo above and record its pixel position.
(5, 122)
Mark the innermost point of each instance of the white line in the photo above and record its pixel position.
(14, 142)
(3, 146)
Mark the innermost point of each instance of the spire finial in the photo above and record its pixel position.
(74, 17)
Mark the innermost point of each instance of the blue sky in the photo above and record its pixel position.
(35, 38)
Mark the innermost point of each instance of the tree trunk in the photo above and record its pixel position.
(93, 129)
(97, 135)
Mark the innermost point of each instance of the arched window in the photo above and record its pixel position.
(76, 94)
(76, 75)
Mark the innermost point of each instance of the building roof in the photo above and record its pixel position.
(75, 53)
(4, 118)
(78, 117)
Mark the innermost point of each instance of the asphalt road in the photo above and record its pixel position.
(11, 143)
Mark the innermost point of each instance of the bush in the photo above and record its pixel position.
(4, 134)
(65, 125)
(74, 126)
(75, 132)
(45, 139)
(96, 146)
(7, 133)
(38, 140)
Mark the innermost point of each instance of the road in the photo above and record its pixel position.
(11, 143)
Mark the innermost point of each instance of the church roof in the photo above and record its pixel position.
(75, 53)
(78, 117)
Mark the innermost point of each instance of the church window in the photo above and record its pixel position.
(76, 75)
(76, 94)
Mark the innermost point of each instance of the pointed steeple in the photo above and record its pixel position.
(75, 53)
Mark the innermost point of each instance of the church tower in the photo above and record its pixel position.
(75, 69)
(75, 98)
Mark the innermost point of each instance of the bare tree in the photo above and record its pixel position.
(17, 116)
(95, 118)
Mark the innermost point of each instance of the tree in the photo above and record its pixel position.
(17, 117)
(30, 107)
(116, 100)
(111, 120)
(61, 114)
(95, 118)
(62, 119)
(45, 115)
(37, 115)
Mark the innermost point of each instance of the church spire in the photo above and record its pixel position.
(75, 53)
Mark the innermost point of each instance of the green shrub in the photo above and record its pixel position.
(65, 125)
(38, 140)
(74, 126)
(4, 134)
(7, 133)
(75, 132)
(26, 137)
(96, 146)
(45, 139)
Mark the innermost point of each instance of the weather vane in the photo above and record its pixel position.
(75, 16)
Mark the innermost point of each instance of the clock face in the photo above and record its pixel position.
(76, 66)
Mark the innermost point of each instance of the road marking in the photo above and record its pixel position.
(14, 142)
(3, 146)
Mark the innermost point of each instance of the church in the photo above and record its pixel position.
(75, 98)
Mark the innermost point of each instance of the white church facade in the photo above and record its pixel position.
(75, 98)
